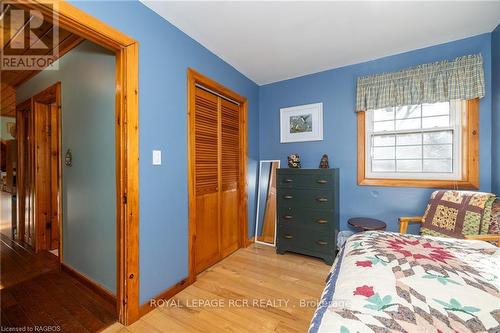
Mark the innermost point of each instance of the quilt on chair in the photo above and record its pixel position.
(457, 213)
(388, 282)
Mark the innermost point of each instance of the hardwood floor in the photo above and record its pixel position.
(34, 293)
(274, 287)
(19, 263)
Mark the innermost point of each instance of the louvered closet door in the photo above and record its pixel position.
(230, 158)
(207, 250)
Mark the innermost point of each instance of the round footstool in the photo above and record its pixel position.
(366, 224)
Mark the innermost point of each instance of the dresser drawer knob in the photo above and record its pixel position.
(287, 217)
(322, 243)
(321, 199)
(322, 181)
(288, 236)
(288, 197)
(287, 180)
(321, 221)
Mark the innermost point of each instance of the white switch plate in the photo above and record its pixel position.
(156, 157)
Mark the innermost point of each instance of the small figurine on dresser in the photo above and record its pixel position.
(294, 161)
(323, 164)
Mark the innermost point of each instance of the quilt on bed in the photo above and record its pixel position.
(388, 282)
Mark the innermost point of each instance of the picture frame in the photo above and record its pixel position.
(11, 129)
(301, 123)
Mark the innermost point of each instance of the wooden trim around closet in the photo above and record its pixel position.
(194, 78)
(126, 50)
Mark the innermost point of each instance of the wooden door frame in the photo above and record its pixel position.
(49, 95)
(21, 187)
(194, 78)
(126, 50)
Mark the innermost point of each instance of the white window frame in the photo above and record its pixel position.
(456, 110)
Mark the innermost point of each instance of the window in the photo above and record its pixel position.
(426, 145)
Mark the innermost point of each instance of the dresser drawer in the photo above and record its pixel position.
(316, 180)
(319, 220)
(314, 199)
(302, 238)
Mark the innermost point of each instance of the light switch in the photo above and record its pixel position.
(156, 157)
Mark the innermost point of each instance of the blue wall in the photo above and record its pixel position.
(87, 76)
(495, 144)
(336, 89)
(165, 53)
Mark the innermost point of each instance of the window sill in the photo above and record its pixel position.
(428, 183)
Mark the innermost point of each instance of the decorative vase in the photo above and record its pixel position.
(323, 164)
(294, 161)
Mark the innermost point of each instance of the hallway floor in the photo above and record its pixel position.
(34, 292)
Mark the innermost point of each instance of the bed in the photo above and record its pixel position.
(391, 282)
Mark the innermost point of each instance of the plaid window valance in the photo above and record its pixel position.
(462, 78)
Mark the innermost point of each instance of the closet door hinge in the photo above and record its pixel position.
(125, 199)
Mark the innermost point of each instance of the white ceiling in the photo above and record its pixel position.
(273, 41)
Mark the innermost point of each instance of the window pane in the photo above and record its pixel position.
(408, 111)
(408, 124)
(438, 151)
(413, 141)
(409, 139)
(383, 114)
(380, 153)
(438, 165)
(383, 166)
(409, 165)
(438, 137)
(435, 109)
(380, 126)
(441, 121)
(408, 152)
(384, 140)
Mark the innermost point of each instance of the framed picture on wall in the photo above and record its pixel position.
(11, 129)
(301, 123)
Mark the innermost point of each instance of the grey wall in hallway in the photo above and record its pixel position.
(87, 75)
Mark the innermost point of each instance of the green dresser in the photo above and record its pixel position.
(308, 212)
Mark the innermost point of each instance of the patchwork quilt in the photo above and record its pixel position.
(388, 282)
(457, 213)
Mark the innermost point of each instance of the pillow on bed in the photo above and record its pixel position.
(457, 213)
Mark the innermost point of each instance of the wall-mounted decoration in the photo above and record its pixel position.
(302, 123)
(323, 164)
(68, 158)
(294, 161)
(11, 129)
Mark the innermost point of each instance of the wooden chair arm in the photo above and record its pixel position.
(403, 222)
(487, 238)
